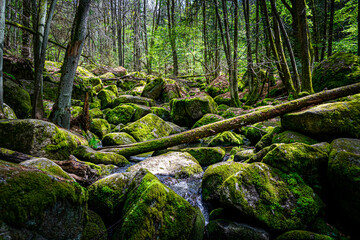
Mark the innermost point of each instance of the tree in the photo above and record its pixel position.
(2, 30)
(61, 113)
(172, 34)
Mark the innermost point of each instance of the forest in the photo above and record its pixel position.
(180, 119)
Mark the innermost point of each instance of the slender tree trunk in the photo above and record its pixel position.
(315, 29)
(324, 37)
(172, 34)
(257, 26)
(2, 31)
(358, 19)
(61, 113)
(25, 50)
(205, 41)
(253, 81)
(38, 107)
(137, 63)
(113, 25)
(146, 38)
(331, 27)
(119, 35)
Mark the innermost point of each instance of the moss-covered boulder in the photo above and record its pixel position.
(38, 138)
(279, 201)
(18, 99)
(214, 177)
(307, 161)
(107, 75)
(8, 112)
(206, 155)
(266, 140)
(243, 155)
(302, 235)
(176, 128)
(223, 99)
(134, 99)
(118, 138)
(37, 205)
(292, 137)
(87, 154)
(76, 111)
(229, 230)
(148, 127)
(48, 166)
(326, 121)
(96, 113)
(207, 119)
(140, 111)
(94, 227)
(226, 138)
(107, 196)
(153, 88)
(120, 114)
(100, 127)
(171, 90)
(161, 112)
(112, 88)
(343, 175)
(176, 164)
(218, 86)
(232, 112)
(154, 211)
(255, 132)
(338, 70)
(106, 97)
(186, 111)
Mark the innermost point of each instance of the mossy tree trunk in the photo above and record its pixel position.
(61, 113)
(233, 123)
(2, 31)
(172, 34)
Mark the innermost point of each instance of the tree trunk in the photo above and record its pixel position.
(205, 41)
(324, 37)
(25, 49)
(146, 39)
(13, 156)
(172, 34)
(233, 123)
(136, 22)
(315, 29)
(358, 19)
(119, 35)
(250, 68)
(2, 31)
(61, 113)
(331, 27)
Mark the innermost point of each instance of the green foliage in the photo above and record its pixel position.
(94, 143)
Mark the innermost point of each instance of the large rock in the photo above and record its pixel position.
(148, 127)
(186, 111)
(176, 164)
(100, 127)
(18, 99)
(37, 205)
(153, 88)
(120, 114)
(171, 90)
(218, 86)
(38, 138)
(161, 112)
(326, 121)
(343, 175)
(207, 119)
(118, 138)
(87, 154)
(338, 70)
(292, 137)
(106, 97)
(8, 112)
(134, 99)
(226, 138)
(302, 235)
(206, 155)
(154, 211)
(140, 111)
(94, 228)
(263, 194)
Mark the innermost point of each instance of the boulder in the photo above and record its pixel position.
(153, 88)
(76, 111)
(292, 137)
(175, 164)
(38, 138)
(255, 132)
(161, 112)
(223, 99)
(232, 112)
(18, 99)
(37, 205)
(213, 178)
(207, 119)
(96, 113)
(106, 97)
(266, 140)
(218, 86)
(338, 70)
(107, 75)
(172, 90)
(186, 111)
(176, 128)
(260, 193)
(228, 230)
(226, 138)
(118, 138)
(206, 155)
(147, 128)
(120, 114)
(94, 227)
(100, 127)
(112, 88)
(326, 121)
(140, 111)
(302, 235)
(134, 99)
(8, 112)
(343, 176)
(243, 155)
(87, 154)
(154, 211)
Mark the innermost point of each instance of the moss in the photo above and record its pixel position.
(302, 235)
(96, 103)
(96, 81)
(292, 137)
(214, 176)
(254, 133)
(206, 155)
(120, 114)
(243, 155)
(8, 112)
(153, 88)
(106, 97)
(96, 113)
(87, 154)
(94, 228)
(280, 201)
(226, 138)
(140, 111)
(148, 127)
(76, 111)
(18, 99)
(100, 127)
(27, 195)
(207, 119)
(120, 138)
(266, 140)
(134, 99)
(107, 75)
(223, 99)
(161, 112)
(112, 88)
(232, 112)
(48, 166)
(152, 210)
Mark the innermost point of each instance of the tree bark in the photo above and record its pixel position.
(358, 19)
(331, 27)
(2, 31)
(25, 48)
(13, 156)
(61, 113)
(233, 123)
(323, 46)
(172, 34)
(136, 22)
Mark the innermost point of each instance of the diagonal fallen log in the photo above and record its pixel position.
(233, 123)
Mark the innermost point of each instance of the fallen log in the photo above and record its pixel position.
(233, 123)
(13, 156)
